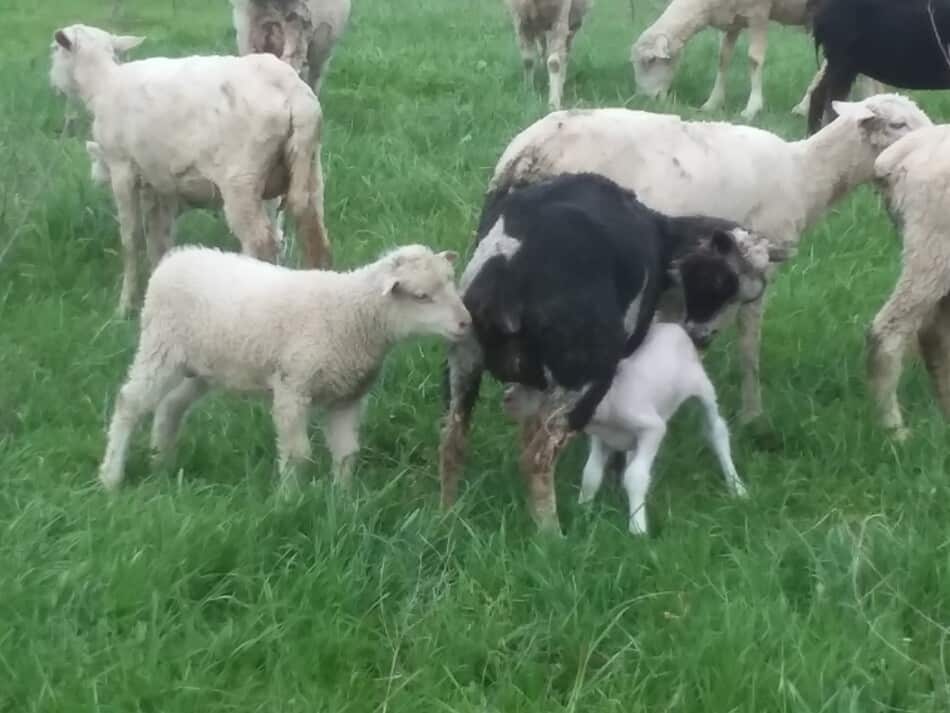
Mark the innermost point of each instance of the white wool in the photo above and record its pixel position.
(914, 178)
(198, 131)
(773, 187)
(216, 319)
(649, 387)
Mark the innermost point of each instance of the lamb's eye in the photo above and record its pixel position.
(897, 125)
(422, 297)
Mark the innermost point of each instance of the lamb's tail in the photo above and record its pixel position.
(305, 193)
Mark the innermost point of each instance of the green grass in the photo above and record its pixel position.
(194, 590)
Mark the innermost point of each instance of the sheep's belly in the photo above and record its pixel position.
(616, 439)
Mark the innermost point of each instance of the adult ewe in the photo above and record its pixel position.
(914, 176)
(302, 33)
(303, 336)
(564, 284)
(197, 131)
(547, 27)
(898, 43)
(773, 187)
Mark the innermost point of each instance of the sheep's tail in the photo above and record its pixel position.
(305, 193)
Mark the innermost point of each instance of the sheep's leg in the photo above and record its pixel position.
(726, 47)
(718, 434)
(247, 218)
(463, 378)
(543, 436)
(901, 317)
(291, 411)
(593, 476)
(126, 201)
(934, 340)
(636, 477)
(750, 341)
(868, 87)
(835, 85)
(159, 213)
(171, 412)
(147, 385)
(343, 433)
(801, 109)
(528, 50)
(758, 42)
(557, 56)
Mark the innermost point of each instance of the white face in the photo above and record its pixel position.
(887, 117)
(654, 70)
(426, 298)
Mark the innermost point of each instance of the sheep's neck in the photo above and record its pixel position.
(681, 20)
(833, 162)
(92, 74)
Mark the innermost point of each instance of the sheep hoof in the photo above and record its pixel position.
(749, 113)
(637, 528)
(900, 433)
(711, 105)
(800, 110)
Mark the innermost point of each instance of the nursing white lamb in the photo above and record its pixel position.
(914, 176)
(217, 319)
(648, 389)
(302, 33)
(776, 188)
(197, 131)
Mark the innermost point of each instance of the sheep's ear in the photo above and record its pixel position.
(390, 286)
(449, 255)
(62, 40)
(124, 43)
(853, 110)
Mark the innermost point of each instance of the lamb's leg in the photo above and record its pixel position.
(463, 378)
(247, 218)
(291, 414)
(160, 213)
(528, 50)
(934, 339)
(557, 56)
(801, 109)
(543, 436)
(718, 434)
(147, 385)
(750, 340)
(636, 477)
(593, 476)
(343, 433)
(758, 42)
(902, 316)
(311, 230)
(126, 201)
(726, 47)
(171, 412)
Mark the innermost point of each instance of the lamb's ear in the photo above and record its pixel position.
(390, 285)
(124, 43)
(449, 255)
(853, 110)
(62, 40)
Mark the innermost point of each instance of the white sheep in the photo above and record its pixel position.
(547, 27)
(197, 131)
(302, 33)
(773, 187)
(649, 387)
(218, 319)
(914, 177)
(656, 52)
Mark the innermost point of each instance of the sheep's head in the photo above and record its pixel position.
(654, 60)
(423, 297)
(716, 275)
(883, 118)
(76, 44)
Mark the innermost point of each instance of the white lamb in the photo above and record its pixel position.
(305, 336)
(649, 387)
(914, 175)
(776, 188)
(197, 131)
(302, 33)
(657, 51)
(547, 27)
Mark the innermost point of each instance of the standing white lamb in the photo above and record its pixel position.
(547, 27)
(776, 188)
(197, 132)
(302, 33)
(656, 52)
(648, 389)
(304, 336)
(914, 176)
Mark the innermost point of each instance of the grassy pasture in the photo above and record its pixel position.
(193, 590)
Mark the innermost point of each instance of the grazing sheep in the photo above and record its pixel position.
(304, 336)
(198, 131)
(547, 27)
(656, 52)
(773, 187)
(914, 177)
(649, 387)
(898, 43)
(302, 33)
(564, 283)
